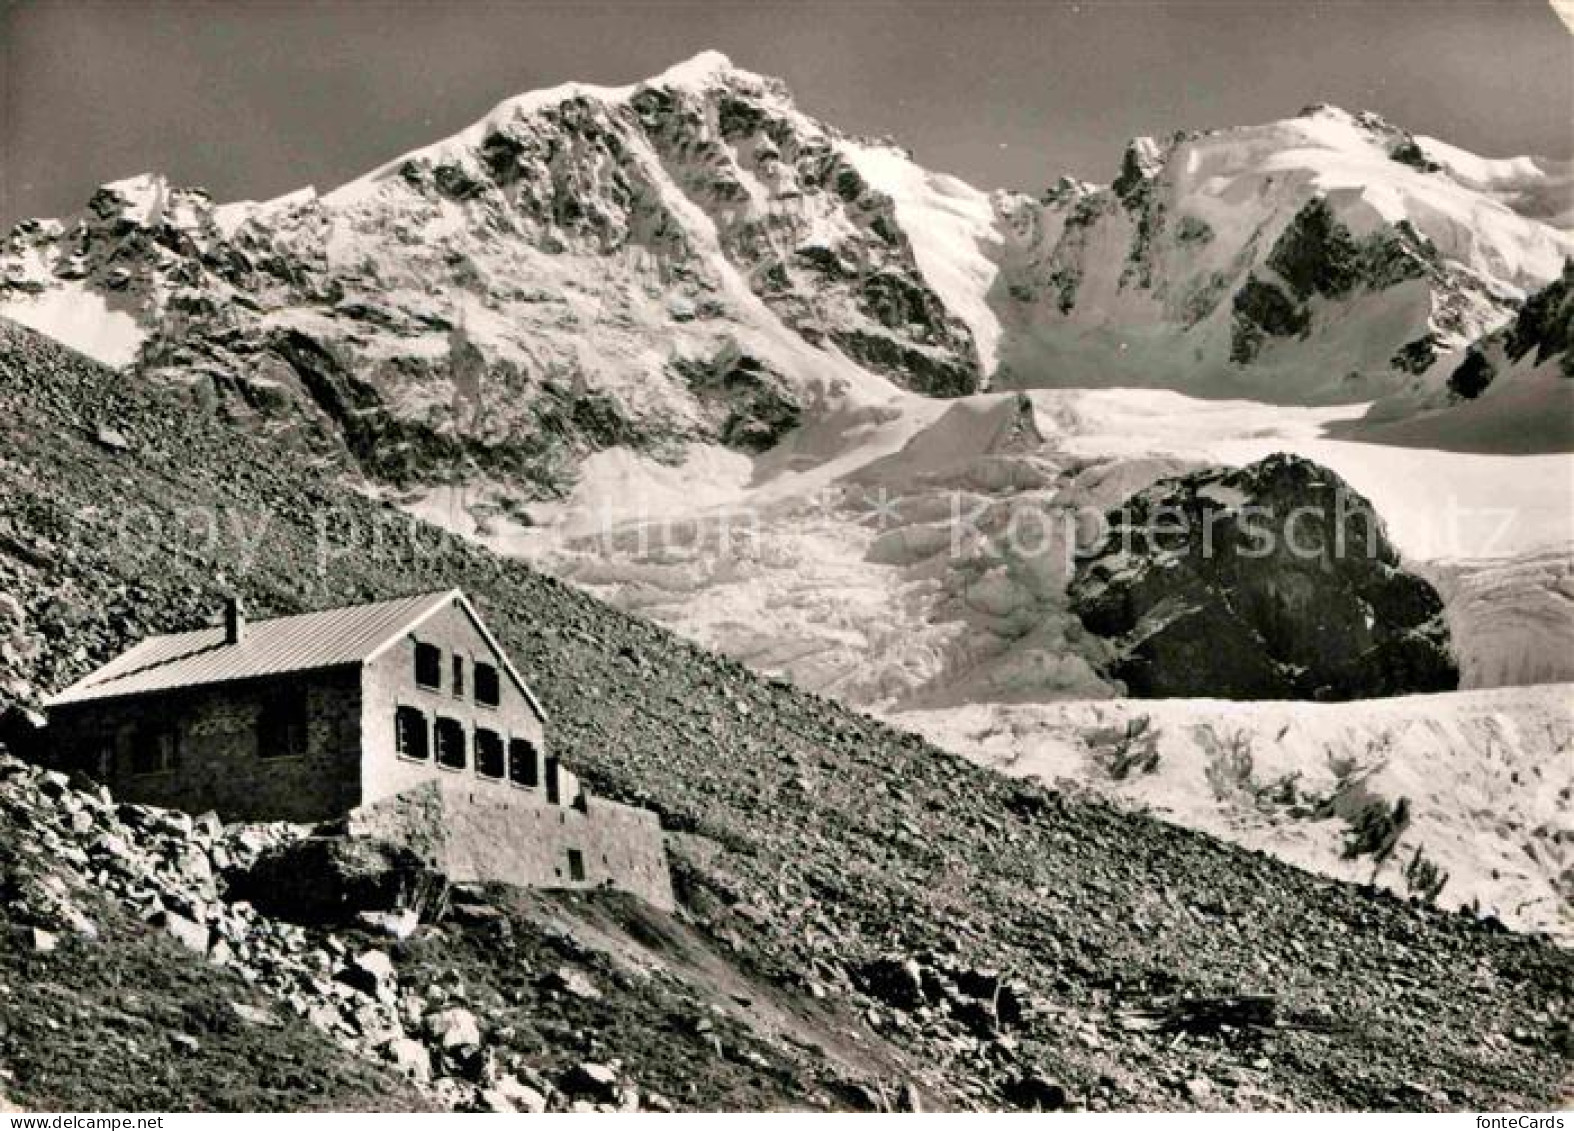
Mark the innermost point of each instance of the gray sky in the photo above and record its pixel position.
(250, 98)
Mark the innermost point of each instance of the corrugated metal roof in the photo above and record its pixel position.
(307, 642)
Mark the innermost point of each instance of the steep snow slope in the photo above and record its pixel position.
(1510, 391)
(1529, 410)
(84, 319)
(1537, 187)
(955, 234)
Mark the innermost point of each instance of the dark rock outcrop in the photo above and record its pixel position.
(1407, 151)
(749, 402)
(1317, 257)
(1262, 309)
(1316, 254)
(322, 879)
(1471, 376)
(1542, 331)
(1416, 356)
(1272, 581)
(1546, 324)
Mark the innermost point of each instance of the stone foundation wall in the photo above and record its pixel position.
(474, 833)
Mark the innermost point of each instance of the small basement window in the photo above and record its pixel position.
(523, 769)
(459, 677)
(488, 692)
(411, 739)
(488, 753)
(281, 724)
(576, 864)
(450, 743)
(153, 751)
(428, 665)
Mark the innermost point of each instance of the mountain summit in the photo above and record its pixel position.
(692, 259)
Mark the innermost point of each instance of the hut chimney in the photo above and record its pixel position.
(234, 621)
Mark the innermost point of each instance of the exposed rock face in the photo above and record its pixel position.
(1262, 308)
(1317, 256)
(776, 185)
(1542, 332)
(1408, 151)
(1471, 376)
(1508, 391)
(1546, 324)
(748, 403)
(505, 303)
(1272, 581)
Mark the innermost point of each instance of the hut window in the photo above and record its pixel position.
(450, 743)
(410, 737)
(281, 724)
(576, 864)
(522, 766)
(459, 677)
(487, 691)
(153, 750)
(428, 665)
(554, 780)
(488, 753)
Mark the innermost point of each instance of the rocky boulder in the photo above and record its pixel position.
(323, 879)
(1272, 581)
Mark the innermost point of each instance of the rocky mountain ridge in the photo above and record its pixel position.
(692, 261)
(586, 268)
(1509, 390)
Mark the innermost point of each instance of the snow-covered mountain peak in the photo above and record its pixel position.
(601, 235)
(706, 72)
(140, 198)
(1324, 257)
(700, 71)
